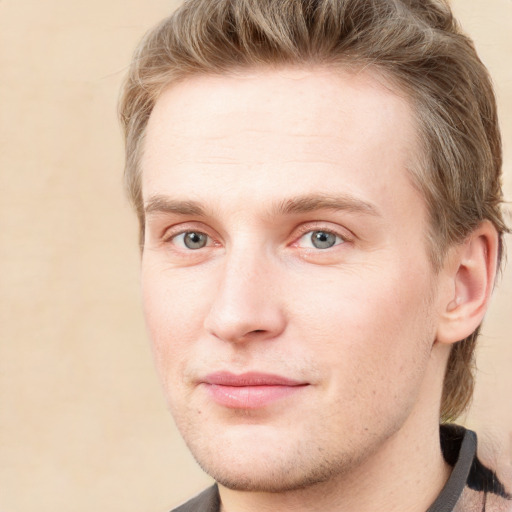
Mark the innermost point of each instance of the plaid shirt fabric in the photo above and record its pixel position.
(472, 487)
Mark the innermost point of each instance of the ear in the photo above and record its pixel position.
(471, 270)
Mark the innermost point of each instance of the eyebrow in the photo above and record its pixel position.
(164, 204)
(294, 205)
(313, 202)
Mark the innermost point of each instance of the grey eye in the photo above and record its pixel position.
(323, 239)
(194, 240)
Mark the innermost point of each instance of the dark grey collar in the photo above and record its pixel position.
(453, 437)
(207, 501)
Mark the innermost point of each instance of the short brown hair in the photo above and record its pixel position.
(416, 44)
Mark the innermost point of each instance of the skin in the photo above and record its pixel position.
(358, 323)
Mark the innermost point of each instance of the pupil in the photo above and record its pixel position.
(323, 240)
(195, 240)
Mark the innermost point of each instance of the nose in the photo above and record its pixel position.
(247, 304)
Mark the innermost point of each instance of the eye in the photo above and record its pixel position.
(320, 239)
(192, 240)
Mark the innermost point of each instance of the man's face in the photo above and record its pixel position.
(286, 283)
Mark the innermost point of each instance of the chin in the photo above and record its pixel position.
(261, 467)
(244, 453)
(271, 479)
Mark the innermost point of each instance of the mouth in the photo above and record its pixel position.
(250, 390)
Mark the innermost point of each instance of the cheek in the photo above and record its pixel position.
(174, 313)
(358, 301)
(370, 328)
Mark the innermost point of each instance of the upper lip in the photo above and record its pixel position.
(224, 378)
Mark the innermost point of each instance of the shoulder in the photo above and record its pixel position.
(482, 490)
(478, 501)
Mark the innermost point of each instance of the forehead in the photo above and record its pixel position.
(295, 129)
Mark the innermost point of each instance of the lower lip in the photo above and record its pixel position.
(249, 397)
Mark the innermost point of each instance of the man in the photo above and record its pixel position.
(318, 189)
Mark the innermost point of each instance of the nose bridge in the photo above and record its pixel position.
(244, 265)
(245, 303)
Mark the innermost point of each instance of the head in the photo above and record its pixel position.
(413, 49)
(416, 45)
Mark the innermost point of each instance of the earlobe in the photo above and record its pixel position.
(474, 265)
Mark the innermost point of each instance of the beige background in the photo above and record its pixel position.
(83, 425)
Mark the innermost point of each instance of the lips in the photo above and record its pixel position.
(250, 390)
